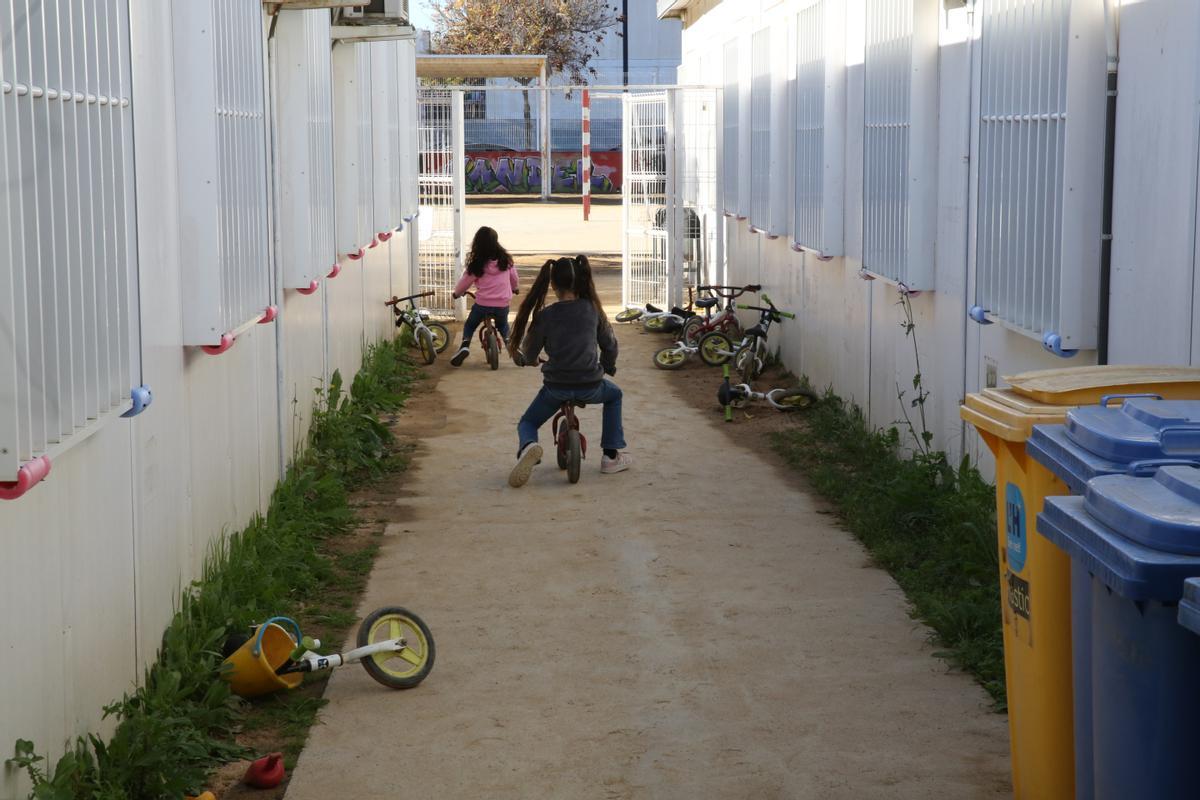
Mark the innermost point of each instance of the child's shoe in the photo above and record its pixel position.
(622, 462)
(460, 356)
(530, 457)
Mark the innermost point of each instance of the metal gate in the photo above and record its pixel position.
(441, 195)
(673, 234)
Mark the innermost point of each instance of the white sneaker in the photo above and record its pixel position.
(531, 455)
(622, 462)
(460, 356)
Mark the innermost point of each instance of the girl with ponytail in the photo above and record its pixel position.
(580, 349)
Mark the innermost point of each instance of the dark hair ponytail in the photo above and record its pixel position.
(530, 307)
(486, 247)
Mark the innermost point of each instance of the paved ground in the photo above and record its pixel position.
(694, 628)
(557, 226)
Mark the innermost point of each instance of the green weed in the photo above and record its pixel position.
(182, 720)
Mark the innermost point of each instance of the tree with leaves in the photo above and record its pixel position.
(567, 32)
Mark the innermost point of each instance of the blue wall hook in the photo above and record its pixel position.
(1053, 342)
(142, 397)
(979, 314)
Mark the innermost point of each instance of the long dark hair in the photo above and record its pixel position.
(565, 275)
(486, 247)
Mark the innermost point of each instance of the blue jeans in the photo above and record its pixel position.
(476, 318)
(548, 401)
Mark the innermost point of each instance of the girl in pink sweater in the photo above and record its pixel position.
(491, 271)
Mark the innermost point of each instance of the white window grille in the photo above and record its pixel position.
(386, 138)
(304, 105)
(1039, 170)
(900, 140)
(730, 123)
(68, 273)
(221, 131)
(820, 111)
(354, 149)
(760, 131)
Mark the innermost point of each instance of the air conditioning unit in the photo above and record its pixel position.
(393, 12)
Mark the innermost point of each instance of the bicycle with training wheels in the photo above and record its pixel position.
(736, 395)
(725, 320)
(490, 339)
(750, 354)
(430, 337)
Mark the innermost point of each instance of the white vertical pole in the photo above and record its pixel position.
(716, 273)
(626, 195)
(547, 163)
(458, 135)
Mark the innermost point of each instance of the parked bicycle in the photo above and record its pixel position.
(490, 339)
(732, 396)
(430, 337)
(750, 354)
(656, 320)
(725, 320)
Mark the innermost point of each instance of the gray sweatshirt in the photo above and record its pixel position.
(571, 332)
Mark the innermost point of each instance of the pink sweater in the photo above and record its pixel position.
(495, 289)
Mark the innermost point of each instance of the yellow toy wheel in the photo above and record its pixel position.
(408, 667)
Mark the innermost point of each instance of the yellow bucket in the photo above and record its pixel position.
(250, 671)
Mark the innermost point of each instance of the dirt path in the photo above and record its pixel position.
(682, 630)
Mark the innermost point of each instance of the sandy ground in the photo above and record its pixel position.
(531, 226)
(697, 627)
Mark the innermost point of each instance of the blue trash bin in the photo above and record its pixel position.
(1136, 540)
(1143, 432)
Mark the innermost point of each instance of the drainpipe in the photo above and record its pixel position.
(1111, 24)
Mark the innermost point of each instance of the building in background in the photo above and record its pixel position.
(501, 142)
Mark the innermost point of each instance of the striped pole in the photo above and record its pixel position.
(586, 166)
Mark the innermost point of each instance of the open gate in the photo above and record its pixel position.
(673, 236)
(441, 195)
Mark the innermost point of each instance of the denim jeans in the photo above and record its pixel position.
(478, 314)
(548, 401)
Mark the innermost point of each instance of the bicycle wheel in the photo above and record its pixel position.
(791, 399)
(410, 666)
(425, 342)
(692, 331)
(629, 315)
(715, 348)
(574, 456)
(656, 324)
(560, 446)
(748, 364)
(492, 347)
(672, 357)
(441, 336)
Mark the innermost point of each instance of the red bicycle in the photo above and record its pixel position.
(569, 441)
(725, 320)
(490, 339)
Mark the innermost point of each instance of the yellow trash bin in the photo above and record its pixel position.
(1035, 576)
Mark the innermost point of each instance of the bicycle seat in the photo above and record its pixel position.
(707, 302)
(577, 404)
(653, 309)
(680, 312)
(756, 330)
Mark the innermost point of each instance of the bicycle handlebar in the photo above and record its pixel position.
(396, 300)
(764, 309)
(730, 292)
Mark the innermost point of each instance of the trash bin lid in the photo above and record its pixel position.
(1074, 386)
(1140, 429)
(1050, 446)
(1007, 414)
(1189, 606)
(1148, 568)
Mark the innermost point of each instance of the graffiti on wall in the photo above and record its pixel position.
(506, 172)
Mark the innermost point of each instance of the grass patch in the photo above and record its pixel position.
(305, 558)
(929, 524)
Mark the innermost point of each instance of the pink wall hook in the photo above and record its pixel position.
(374, 243)
(337, 270)
(383, 237)
(772, 236)
(823, 258)
(217, 349)
(269, 315)
(312, 287)
(355, 256)
(28, 475)
(797, 248)
(866, 276)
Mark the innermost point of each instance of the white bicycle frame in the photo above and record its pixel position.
(314, 662)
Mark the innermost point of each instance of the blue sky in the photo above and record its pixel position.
(420, 14)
